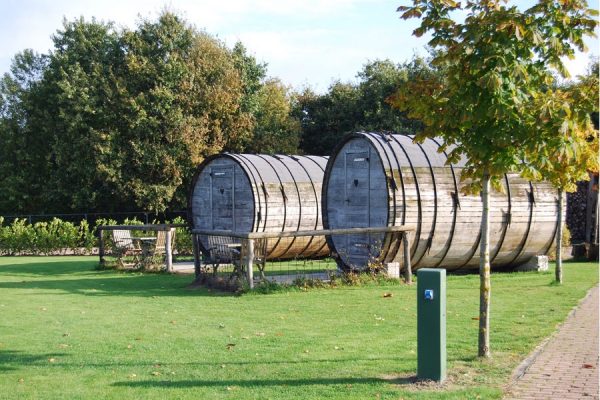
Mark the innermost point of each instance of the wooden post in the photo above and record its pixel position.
(559, 232)
(249, 261)
(168, 251)
(406, 250)
(197, 260)
(101, 246)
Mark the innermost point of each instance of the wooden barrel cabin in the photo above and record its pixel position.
(375, 179)
(261, 193)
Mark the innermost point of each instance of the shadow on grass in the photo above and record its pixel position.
(49, 266)
(253, 383)
(11, 360)
(82, 277)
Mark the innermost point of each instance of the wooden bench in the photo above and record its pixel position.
(125, 245)
(154, 250)
(223, 250)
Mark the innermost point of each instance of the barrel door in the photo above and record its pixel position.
(359, 201)
(222, 192)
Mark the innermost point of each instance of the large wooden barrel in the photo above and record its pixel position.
(261, 193)
(375, 179)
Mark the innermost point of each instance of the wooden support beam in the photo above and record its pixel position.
(249, 262)
(197, 256)
(169, 251)
(101, 247)
(406, 251)
(149, 227)
(326, 232)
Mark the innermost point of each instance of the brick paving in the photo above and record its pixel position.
(566, 367)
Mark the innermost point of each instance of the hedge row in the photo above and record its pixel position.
(63, 237)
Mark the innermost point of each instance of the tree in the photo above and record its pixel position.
(275, 131)
(23, 168)
(495, 63)
(350, 107)
(326, 118)
(180, 101)
(269, 103)
(570, 149)
(117, 119)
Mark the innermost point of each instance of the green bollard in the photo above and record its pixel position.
(431, 324)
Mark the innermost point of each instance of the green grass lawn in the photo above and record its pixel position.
(69, 331)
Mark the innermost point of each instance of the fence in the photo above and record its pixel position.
(240, 255)
(137, 246)
(145, 216)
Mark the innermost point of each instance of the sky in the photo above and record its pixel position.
(304, 42)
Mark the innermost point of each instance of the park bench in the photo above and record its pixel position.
(154, 249)
(124, 246)
(223, 250)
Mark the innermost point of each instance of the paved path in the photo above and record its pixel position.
(566, 367)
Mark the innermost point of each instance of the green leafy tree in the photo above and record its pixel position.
(117, 119)
(326, 118)
(23, 167)
(349, 107)
(268, 102)
(180, 102)
(275, 131)
(78, 116)
(496, 60)
(570, 150)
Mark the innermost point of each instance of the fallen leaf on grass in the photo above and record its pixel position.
(132, 375)
(43, 309)
(21, 380)
(279, 334)
(246, 337)
(173, 322)
(155, 373)
(475, 318)
(260, 334)
(230, 346)
(388, 295)
(52, 360)
(66, 334)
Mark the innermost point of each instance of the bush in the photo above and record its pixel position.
(57, 236)
(183, 238)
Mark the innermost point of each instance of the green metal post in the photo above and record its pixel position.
(431, 324)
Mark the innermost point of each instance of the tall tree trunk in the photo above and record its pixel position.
(484, 270)
(559, 233)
